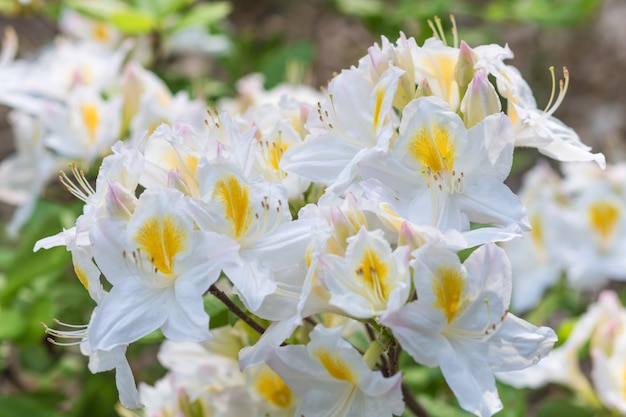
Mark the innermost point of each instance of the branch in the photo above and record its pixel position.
(236, 310)
(411, 402)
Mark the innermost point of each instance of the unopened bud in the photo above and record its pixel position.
(120, 202)
(464, 69)
(423, 89)
(480, 100)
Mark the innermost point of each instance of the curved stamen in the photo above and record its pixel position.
(75, 337)
(563, 85)
(81, 188)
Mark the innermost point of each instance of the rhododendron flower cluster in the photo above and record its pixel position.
(324, 219)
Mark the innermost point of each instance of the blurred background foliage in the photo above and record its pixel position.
(285, 41)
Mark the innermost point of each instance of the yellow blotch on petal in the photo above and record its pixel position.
(91, 119)
(441, 67)
(448, 286)
(234, 195)
(161, 239)
(274, 152)
(82, 276)
(273, 388)
(433, 149)
(100, 32)
(603, 217)
(380, 96)
(537, 232)
(375, 274)
(335, 366)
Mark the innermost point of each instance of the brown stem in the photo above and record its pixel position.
(236, 310)
(412, 404)
(394, 357)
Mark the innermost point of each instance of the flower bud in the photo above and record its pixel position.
(480, 100)
(464, 68)
(120, 202)
(423, 89)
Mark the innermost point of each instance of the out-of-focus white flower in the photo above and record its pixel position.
(82, 28)
(597, 236)
(603, 326)
(85, 128)
(24, 174)
(537, 258)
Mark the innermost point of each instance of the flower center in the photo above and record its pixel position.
(375, 274)
(236, 200)
(448, 285)
(161, 239)
(91, 119)
(604, 217)
(335, 366)
(273, 388)
(433, 149)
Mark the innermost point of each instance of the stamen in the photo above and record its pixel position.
(551, 69)
(76, 337)
(454, 31)
(80, 189)
(563, 85)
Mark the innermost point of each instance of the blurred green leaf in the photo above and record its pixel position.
(134, 22)
(361, 8)
(164, 8)
(41, 310)
(12, 324)
(514, 401)
(274, 65)
(545, 12)
(35, 357)
(204, 14)
(98, 396)
(25, 405)
(562, 407)
(217, 311)
(439, 408)
(98, 9)
(44, 265)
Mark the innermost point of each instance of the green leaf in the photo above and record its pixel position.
(361, 8)
(274, 65)
(25, 405)
(514, 401)
(134, 22)
(12, 324)
(164, 8)
(217, 311)
(204, 14)
(41, 310)
(439, 408)
(98, 396)
(562, 407)
(41, 266)
(98, 9)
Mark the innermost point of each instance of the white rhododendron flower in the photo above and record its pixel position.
(159, 265)
(445, 175)
(370, 280)
(460, 322)
(331, 377)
